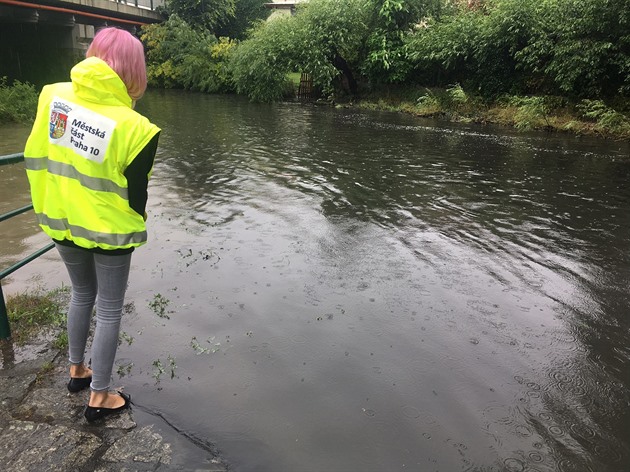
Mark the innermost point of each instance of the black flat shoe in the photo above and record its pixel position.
(93, 413)
(77, 384)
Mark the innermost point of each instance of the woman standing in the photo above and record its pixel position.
(89, 158)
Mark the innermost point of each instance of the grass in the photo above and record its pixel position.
(294, 78)
(33, 313)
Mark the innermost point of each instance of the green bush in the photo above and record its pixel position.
(390, 21)
(532, 112)
(457, 96)
(605, 117)
(430, 102)
(576, 48)
(474, 47)
(580, 48)
(18, 101)
(453, 102)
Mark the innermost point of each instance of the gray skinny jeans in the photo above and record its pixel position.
(93, 274)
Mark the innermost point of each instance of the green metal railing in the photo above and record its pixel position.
(5, 329)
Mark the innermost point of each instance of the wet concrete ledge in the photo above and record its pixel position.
(42, 427)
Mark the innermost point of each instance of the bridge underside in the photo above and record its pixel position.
(40, 43)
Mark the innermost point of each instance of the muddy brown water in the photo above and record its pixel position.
(334, 290)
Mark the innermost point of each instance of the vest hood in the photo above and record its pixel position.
(94, 81)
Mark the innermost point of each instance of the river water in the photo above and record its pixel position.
(334, 290)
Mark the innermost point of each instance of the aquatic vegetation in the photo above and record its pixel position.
(158, 370)
(159, 304)
(129, 308)
(123, 336)
(194, 257)
(199, 349)
(124, 369)
(172, 365)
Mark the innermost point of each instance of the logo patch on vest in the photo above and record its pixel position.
(84, 131)
(58, 119)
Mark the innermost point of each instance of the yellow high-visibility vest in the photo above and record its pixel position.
(84, 137)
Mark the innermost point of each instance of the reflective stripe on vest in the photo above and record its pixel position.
(66, 170)
(107, 238)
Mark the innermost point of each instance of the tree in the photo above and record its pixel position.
(386, 57)
(580, 47)
(442, 51)
(179, 56)
(206, 14)
(575, 48)
(323, 39)
(328, 36)
(246, 13)
(260, 65)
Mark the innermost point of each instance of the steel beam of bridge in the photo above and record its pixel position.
(97, 13)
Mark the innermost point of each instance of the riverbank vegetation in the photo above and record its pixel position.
(588, 117)
(18, 101)
(553, 64)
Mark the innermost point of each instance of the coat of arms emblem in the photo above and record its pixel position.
(58, 122)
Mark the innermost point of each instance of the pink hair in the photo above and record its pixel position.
(124, 53)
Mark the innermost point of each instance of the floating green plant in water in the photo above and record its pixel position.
(199, 349)
(124, 337)
(159, 304)
(172, 365)
(124, 369)
(158, 370)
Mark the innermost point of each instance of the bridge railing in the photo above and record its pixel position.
(5, 329)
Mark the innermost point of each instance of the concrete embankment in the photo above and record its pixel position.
(42, 426)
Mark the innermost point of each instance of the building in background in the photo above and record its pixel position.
(282, 7)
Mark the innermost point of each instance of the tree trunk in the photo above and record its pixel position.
(348, 81)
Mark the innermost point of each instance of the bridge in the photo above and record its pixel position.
(40, 40)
